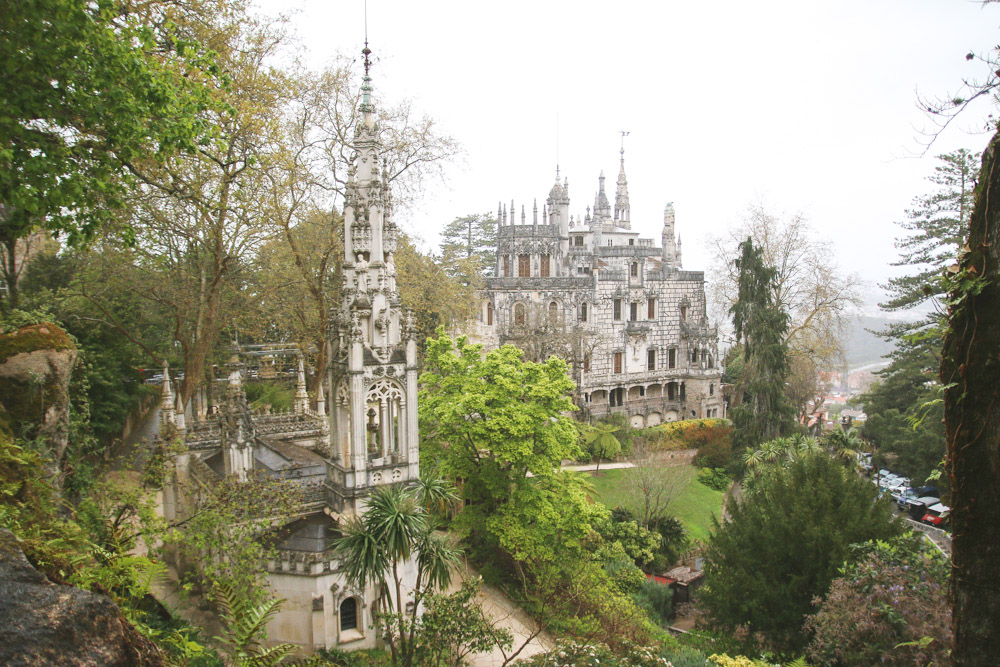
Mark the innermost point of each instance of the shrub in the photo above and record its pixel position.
(881, 608)
(714, 478)
(685, 657)
(711, 437)
(656, 599)
(277, 396)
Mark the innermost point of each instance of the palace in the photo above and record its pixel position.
(368, 437)
(622, 311)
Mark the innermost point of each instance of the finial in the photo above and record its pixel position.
(622, 151)
(366, 51)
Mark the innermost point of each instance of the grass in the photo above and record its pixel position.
(693, 506)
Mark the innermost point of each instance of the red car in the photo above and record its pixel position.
(937, 515)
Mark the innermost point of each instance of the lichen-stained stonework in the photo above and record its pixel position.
(631, 322)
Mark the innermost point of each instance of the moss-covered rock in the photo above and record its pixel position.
(35, 367)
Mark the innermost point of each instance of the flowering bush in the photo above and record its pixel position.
(709, 436)
(881, 609)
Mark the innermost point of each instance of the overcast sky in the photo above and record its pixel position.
(803, 106)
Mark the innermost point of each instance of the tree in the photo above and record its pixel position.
(782, 546)
(92, 88)
(889, 606)
(468, 246)
(969, 367)
(454, 627)
(490, 420)
(602, 441)
(375, 548)
(906, 415)
(760, 323)
(816, 296)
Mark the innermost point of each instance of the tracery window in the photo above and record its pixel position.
(519, 314)
(523, 266)
(544, 269)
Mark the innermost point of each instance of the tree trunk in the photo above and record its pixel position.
(970, 366)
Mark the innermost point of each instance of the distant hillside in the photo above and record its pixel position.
(863, 347)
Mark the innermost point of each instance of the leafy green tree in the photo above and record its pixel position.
(92, 89)
(783, 544)
(602, 441)
(905, 412)
(376, 547)
(454, 627)
(468, 246)
(490, 420)
(763, 412)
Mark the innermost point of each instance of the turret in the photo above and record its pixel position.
(671, 253)
(301, 395)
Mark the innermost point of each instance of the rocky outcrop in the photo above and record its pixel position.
(35, 367)
(42, 623)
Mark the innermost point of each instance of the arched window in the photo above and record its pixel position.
(523, 266)
(553, 311)
(349, 614)
(543, 270)
(519, 314)
(711, 389)
(489, 313)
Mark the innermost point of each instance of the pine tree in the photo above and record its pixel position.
(468, 245)
(905, 419)
(760, 325)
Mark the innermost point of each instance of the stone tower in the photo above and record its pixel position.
(373, 375)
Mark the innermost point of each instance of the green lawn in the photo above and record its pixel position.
(693, 506)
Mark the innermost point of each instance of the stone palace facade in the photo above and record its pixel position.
(625, 314)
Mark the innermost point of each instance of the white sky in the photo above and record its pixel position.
(801, 105)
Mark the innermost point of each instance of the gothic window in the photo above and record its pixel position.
(519, 314)
(618, 309)
(671, 391)
(544, 272)
(651, 360)
(684, 313)
(672, 358)
(617, 361)
(506, 267)
(349, 614)
(710, 361)
(523, 266)
(384, 411)
(583, 312)
(610, 243)
(711, 389)
(633, 311)
(586, 363)
(651, 309)
(553, 311)
(634, 269)
(578, 240)
(489, 313)
(694, 356)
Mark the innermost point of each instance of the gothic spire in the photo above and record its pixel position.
(622, 214)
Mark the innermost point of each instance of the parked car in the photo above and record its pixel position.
(917, 507)
(937, 515)
(888, 481)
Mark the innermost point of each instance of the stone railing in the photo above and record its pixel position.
(641, 405)
(537, 282)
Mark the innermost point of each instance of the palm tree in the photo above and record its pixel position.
(602, 441)
(374, 548)
(845, 445)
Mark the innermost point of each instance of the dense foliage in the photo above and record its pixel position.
(783, 544)
(888, 606)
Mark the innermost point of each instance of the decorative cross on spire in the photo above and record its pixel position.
(622, 151)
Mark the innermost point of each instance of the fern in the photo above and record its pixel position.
(243, 629)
